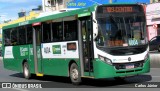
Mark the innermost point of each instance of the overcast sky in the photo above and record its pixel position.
(9, 8)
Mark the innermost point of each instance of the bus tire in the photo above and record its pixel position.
(26, 71)
(75, 74)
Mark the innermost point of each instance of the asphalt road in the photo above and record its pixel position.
(155, 59)
(64, 84)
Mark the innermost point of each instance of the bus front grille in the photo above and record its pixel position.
(130, 71)
(120, 66)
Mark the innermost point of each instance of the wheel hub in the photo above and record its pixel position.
(74, 74)
(26, 70)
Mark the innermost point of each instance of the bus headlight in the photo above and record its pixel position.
(146, 57)
(104, 59)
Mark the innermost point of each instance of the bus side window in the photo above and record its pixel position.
(7, 40)
(70, 30)
(29, 35)
(21, 35)
(46, 32)
(14, 36)
(57, 31)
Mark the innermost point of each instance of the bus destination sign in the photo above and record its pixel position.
(118, 9)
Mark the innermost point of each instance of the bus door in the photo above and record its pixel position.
(37, 48)
(86, 44)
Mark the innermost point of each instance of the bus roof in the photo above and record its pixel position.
(51, 17)
(59, 15)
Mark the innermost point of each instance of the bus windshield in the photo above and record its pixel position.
(121, 30)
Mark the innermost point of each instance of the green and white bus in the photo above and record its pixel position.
(101, 41)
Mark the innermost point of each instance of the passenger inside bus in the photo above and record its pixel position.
(7, 41)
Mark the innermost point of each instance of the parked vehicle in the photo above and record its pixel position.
(154, 43)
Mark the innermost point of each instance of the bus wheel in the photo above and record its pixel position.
(26, 71)
(75, 74)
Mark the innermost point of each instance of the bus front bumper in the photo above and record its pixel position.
(104, 70)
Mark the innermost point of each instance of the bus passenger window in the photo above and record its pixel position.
(7, 40)
(14, 37)
(46, 32)
(21, 35)
(57, 31)
(29, 35)
(70, 30)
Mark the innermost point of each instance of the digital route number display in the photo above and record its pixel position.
(119, 9)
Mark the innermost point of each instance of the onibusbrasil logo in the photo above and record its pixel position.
(56, 49)
(21, 85)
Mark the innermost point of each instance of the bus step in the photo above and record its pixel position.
(39, 74)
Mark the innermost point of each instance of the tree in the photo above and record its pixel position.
(39, 7)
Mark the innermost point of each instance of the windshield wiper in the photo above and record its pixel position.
(125, 28)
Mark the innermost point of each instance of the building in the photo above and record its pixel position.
(153, 19)
(154, 1)
(56, 5)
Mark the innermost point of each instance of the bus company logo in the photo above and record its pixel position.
(47, 50)
(23, 51)
(129, 59)
(56, 49)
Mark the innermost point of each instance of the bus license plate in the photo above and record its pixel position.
(130, 66)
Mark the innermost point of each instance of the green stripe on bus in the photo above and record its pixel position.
(84, 14)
